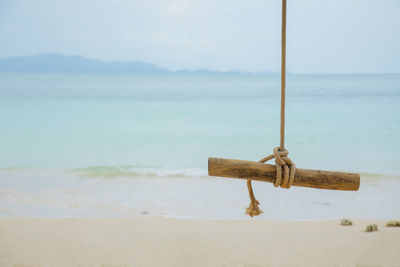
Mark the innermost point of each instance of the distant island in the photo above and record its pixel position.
(56, 63)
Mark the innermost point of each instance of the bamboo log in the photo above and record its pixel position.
(243, 169)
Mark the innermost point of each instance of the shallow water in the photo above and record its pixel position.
(120, 145)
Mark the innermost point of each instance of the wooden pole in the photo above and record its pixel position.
(243, 169)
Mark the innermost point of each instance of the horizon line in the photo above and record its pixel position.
(196, 71)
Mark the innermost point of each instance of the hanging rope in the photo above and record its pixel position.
(283, 164)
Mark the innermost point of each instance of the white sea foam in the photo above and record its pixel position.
(129, 171)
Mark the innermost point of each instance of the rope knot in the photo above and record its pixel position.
(283, 165)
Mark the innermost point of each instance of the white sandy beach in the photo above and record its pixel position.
(170, 242)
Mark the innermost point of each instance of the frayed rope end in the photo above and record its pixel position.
(253, 209)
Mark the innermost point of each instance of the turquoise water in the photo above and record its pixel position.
(347, 123)
(68, 132)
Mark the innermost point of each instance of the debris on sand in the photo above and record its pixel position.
(372, 228)
(393, 224)
(346, 222)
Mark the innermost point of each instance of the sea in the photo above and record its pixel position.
(128, 145)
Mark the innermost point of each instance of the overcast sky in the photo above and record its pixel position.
(340, 36)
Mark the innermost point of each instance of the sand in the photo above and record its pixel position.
(170, 242)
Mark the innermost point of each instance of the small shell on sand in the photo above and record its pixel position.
(393, 224)
(372, 228)
(346, 222)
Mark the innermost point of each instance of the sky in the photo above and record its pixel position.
(340, 36)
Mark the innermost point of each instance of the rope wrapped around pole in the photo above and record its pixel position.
(283, 163)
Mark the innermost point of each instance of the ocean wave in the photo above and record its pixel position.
(138, 171)
(128, 171)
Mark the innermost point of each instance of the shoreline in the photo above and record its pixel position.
(155, 241)
(45, 195)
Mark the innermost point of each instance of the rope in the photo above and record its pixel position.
(283, 164)
(283, 75)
